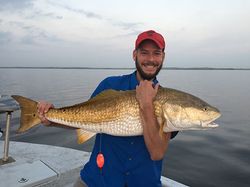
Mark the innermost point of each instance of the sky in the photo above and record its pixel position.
(98, 33)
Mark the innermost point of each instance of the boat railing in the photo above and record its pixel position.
(8, 106)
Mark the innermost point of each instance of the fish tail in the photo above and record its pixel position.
(29, 116)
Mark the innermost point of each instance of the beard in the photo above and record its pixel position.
(144, 75)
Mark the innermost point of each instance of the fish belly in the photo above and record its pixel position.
(128, 126)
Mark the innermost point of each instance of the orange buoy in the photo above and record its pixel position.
(100, 160)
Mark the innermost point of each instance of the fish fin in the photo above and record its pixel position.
(29, 116)
(83, 136)
(109, 92)
(105, 95)
(171, 112)
(159, 117)
(161, 127)
(168, 126)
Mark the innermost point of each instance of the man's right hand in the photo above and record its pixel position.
(42, 108)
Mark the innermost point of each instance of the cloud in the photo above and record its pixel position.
(15, 4)
(25, 28)
(36, 35)
(40, 13)
(51, 15)
(88, 14)
(30, 34)
(125, 25)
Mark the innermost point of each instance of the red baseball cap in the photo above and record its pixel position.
(150, 35)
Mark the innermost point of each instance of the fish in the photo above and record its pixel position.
(117, 113)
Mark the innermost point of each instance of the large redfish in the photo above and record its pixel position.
(117, 113)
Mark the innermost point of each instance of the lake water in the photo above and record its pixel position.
(219, 157)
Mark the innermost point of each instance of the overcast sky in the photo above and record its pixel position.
(101, 33)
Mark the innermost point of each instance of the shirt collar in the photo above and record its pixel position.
(134, 82)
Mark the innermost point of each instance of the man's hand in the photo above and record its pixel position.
(42, 108)
(146, 93)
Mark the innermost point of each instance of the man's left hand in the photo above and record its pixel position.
(146, 93)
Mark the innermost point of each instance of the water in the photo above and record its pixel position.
(219, 157)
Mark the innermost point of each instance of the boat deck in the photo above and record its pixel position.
(46, 165)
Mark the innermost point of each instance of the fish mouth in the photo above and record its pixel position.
(210, 124)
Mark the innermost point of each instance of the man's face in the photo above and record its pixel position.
(148, 59)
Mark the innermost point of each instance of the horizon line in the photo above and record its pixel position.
(79, 67)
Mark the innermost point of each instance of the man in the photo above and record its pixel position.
(131, 161)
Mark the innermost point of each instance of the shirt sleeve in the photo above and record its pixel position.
(101, 87)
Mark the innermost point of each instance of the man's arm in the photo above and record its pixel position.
(157, 145)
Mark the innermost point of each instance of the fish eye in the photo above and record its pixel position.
(205, 108)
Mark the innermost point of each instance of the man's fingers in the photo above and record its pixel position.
(43, 119)
(47, 107)
(43, 107)
(40, 107)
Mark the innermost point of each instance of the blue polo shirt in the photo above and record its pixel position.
(127, 160)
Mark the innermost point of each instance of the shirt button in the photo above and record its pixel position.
(127, 173)
(130, 159)
(132, 143)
